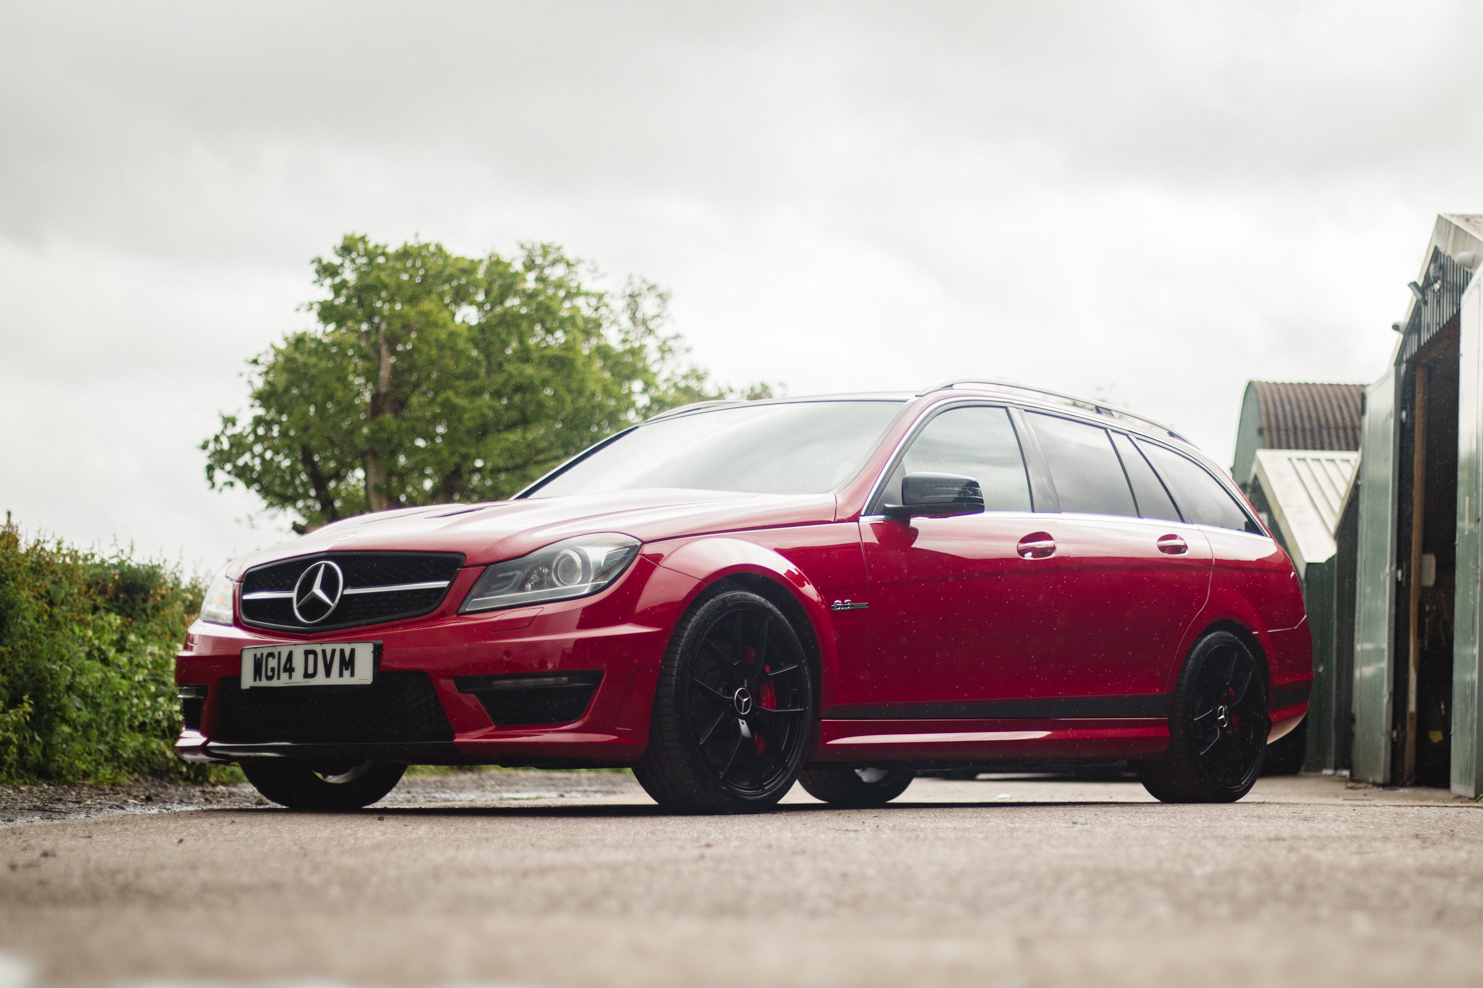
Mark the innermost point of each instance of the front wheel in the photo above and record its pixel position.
(732, 711)
(855, 788)
(301, 786)
(1218, 726)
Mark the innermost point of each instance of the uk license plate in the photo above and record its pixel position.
(318, 664)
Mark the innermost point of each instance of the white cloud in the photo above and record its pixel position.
(1156, 201)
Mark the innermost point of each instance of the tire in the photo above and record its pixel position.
(855, 788)
(300, 786)
(1218, 726)
(733, 710)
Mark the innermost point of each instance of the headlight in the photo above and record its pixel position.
(574, 568)
(216, 606)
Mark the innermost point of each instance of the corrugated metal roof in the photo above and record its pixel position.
(1309, 416)
(1306, 490)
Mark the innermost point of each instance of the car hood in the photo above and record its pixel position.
(487, 533)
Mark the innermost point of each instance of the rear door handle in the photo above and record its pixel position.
(1172, 545)
(1036, 545)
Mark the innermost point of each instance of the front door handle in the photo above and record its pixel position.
(1172, 545)
(1036, 545)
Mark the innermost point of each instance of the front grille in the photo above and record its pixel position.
(378, 587)
(397, 707)
(541, 698)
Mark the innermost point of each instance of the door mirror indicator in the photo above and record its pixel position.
(937, 494)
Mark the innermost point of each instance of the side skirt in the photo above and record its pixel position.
(961, 740)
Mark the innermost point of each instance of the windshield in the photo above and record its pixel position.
(805, 447)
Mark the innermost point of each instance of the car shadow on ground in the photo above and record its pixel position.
(619, 811)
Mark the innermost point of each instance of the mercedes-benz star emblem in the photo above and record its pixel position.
(742, 701)
(318, 591)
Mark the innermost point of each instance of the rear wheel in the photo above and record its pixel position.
(1218, 726)
(301, 786)
(732, 710)
(855, 788)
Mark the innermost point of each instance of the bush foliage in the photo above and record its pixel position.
(87, 651)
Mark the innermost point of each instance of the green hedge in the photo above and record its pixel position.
(87, 651)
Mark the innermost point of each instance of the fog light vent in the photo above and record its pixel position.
(533, 698)
(192, 703)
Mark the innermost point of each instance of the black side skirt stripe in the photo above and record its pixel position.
(1290, 695)
(1075, 707)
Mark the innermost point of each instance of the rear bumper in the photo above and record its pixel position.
(1290, 659)
(1282, 728)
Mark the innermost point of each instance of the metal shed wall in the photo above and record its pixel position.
(1467, 758)
(1375, 585)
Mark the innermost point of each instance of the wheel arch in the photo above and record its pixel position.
(778, 595)
(1248, 638)
(725, 561)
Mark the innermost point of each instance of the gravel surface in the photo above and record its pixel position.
(28, 804)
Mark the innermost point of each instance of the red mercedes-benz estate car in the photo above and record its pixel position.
(840, 590)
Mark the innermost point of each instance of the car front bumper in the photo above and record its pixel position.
(619, 635)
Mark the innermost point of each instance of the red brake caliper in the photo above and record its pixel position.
(767, 697)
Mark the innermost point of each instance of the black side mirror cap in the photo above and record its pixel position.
(937, 494)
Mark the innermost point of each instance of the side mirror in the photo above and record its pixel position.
(937, 494)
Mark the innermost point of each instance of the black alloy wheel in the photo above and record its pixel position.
(302, 786)
(1218, 725)
(855, 788)
(732, 711)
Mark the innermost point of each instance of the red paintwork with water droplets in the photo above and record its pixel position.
(957, 619)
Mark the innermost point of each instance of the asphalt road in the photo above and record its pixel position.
(549, 879)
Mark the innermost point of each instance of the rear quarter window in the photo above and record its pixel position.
(1201, 498)
(1153, 500)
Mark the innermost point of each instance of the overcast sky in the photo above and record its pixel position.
(1153, 202)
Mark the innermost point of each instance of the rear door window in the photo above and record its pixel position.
(976, 441)
(1088, 476)
(1200, 497)
(1153, 500)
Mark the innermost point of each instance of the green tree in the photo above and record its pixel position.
(433, 377)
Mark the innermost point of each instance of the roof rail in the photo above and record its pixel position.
(1074, 401)
(694, 406)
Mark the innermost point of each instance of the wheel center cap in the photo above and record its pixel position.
(742, 700)
(1222, 718)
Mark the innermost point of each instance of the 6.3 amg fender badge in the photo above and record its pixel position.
(318, 592)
